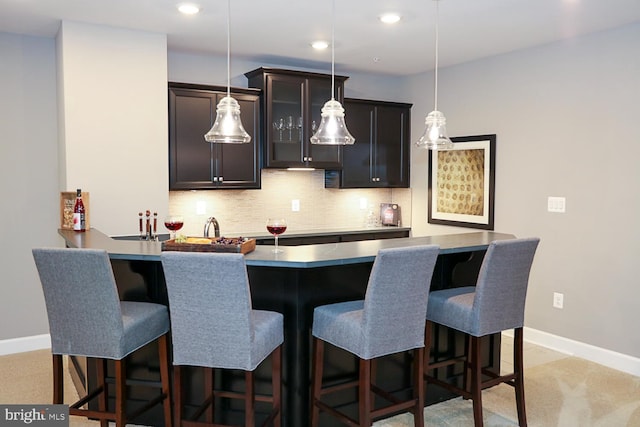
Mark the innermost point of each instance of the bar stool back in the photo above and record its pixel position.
(214, 325)
(496, 303)
(86, 318)
(390, 319)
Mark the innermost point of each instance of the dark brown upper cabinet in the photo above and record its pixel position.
(380, 156)
(195, 164)
(292, 104)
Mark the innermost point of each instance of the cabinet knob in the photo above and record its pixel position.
(310, 158)
(220, 179)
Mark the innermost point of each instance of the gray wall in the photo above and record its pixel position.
(28, 177)
(566, 118)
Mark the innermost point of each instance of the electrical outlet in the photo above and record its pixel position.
(201, 207)
(363, 203)
(295, 205)
(558, 300)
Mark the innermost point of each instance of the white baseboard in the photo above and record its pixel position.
(611, 359)
(24, 344)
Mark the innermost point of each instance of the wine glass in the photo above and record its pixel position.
(173, 224)
(276, 226)
(290, 127)
(279, 126)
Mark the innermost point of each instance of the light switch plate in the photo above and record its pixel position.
(556, 204)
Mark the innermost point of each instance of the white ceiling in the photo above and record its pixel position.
(280, 31)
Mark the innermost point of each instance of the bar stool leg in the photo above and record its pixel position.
(58, 380)
(316, 379)
(249, 399)
(121, 393)
(276, 384)
(364, 393)
(103, 398)
(518, 365)
(476, 381)
(419, 386)
(163, 351)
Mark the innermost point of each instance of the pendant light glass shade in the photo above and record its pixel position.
(435, 134)
(228, 129)
(332, 129)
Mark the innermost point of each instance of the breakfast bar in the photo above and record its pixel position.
(294, 282)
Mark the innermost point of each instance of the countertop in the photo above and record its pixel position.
(304, 256)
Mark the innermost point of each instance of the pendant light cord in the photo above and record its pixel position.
(436, 71)
(333, 42)
(228, 48)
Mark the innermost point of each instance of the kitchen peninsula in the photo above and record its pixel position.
(294, 282)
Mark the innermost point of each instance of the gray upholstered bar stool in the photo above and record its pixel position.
(213, 325)
(390, 319)
(496, 303)
(86, 318)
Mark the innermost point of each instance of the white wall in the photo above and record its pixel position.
(28, 178)
(113, 87)
(566, 119)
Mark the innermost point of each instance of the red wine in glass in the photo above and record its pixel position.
(276, 226)
(276, 229)
(173, 224)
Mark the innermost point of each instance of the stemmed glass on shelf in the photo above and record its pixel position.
(276, 226)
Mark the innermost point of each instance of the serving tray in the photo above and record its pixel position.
(213, 244)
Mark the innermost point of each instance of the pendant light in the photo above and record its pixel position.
(227, 128)
(435, 134)
(332, 129)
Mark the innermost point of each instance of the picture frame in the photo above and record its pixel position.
(461, 189)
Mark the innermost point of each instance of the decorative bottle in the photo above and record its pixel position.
(78, 213)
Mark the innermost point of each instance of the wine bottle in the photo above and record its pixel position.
(78, 213)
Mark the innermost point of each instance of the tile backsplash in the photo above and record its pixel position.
(240, 212)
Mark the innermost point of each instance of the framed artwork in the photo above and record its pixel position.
(462, 183)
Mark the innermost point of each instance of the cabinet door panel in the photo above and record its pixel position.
(319, 94)
(392, 161)
(357, 158)
(191, 115)
(285, 97)
(238, 164)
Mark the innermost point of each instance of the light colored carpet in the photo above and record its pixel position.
(568, 392)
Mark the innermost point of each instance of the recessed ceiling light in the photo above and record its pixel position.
(188, 8)
(390, 18)
(320, 44)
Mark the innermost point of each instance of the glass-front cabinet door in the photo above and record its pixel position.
(293, 101)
